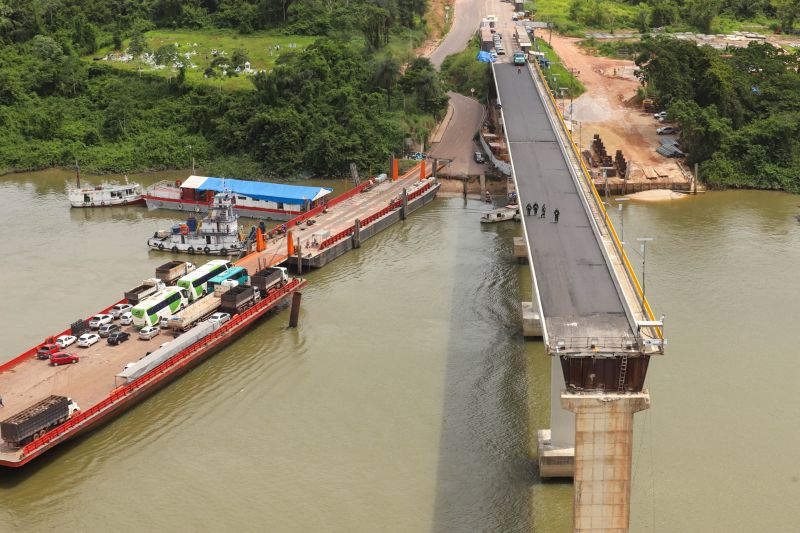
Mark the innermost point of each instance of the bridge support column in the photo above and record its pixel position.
(531, 321)
(556, 446)
(521, 250)
(357, 233)
(483, 185)
(603, 453)
(435, 170)
(404, 207)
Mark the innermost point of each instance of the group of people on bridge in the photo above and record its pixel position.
(535, 209)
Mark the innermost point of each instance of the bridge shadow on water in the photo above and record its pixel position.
(485, 470)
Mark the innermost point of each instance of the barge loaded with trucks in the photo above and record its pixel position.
(41, 401)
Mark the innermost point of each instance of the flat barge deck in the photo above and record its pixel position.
(345, 222)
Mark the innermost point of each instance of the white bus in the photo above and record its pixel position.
(164, 303)
(195, 282)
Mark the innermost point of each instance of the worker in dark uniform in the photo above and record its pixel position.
(543, 211)
(519, 70)
(535, 208)
(555, 214)
(528, 208)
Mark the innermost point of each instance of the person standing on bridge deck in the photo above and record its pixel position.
(535, 208)
(555, 214)
(543, 210)
(519, 70)
(528, 208)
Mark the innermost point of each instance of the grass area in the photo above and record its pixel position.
(556, 73)
(610, 15)
(462, 72)
(623, 49)
(260, 48)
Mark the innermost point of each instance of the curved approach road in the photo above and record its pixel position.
(457, 143)
(467, 19)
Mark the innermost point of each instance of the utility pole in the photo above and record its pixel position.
(621, 207)
(644, 241)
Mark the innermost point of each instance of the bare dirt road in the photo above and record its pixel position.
(608, 108)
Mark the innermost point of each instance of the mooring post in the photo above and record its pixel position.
(294, 314)
(299, 256)
(435, 171)
(483, 185)
(404, 206)
(357, 234)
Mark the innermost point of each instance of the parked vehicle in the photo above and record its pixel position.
(238, 299)
(66, 340)
(63, 358)
(126, 319)
(501, 51)
(269, 278)
(120, 309)
(98, 320)
(661, 115)
(46, 350)
(219, 318)
(238, 274)
(184, 320)
(118, 337)
(107, 329)
(171, 272)
(164, 303)
(196, 282)
(519, 58)
(148, 287)
(479, 157)
(667, 130)
(36, 420)
(148, 332)
(87, 339)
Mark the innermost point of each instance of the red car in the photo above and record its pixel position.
(62, 358)
(47, 350)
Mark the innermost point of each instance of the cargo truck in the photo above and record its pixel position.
(200, 309)
(148, 288)
(272, 277)
(171, 272)
(36, 420)
(237, 299)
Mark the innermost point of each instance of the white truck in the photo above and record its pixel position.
(147, 288)
(268, 278)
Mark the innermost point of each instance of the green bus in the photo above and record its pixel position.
(165, 303)
(238, 274)
(195, 282)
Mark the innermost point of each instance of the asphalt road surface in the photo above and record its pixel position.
(578, 295)
(467, 19)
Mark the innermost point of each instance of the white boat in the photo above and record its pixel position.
(216, 234)
(107, 194)
(509, 212)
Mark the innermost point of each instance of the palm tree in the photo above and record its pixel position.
(387, 73)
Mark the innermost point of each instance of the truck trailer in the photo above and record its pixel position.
(237, 299)
(171, 272)
(271, 277)
(148, 288)
(36, 420)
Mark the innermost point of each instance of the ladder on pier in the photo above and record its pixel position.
(623, 372)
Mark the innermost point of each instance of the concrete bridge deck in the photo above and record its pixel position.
(579, 298)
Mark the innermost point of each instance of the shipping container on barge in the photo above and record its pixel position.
(251, 198)
(110, 379)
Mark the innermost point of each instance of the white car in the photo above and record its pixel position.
(120, 309)
(98, 320)
(126, 319)
(66, 340)
(148, 332)
(87, 339)
(219, 318)
(662, 116)
(667, 130)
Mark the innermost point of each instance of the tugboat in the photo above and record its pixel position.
(509, 212)
(107, 194)
(216, 234)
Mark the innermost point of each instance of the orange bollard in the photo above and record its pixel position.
(422, 175)
(395, 169)
(260, 244)
(290, 244)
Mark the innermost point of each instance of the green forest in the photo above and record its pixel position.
(348, 94)
(738, 110)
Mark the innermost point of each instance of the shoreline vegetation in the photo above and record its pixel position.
(350, 91)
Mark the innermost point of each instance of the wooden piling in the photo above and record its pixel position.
(357, 233)
(404, 206)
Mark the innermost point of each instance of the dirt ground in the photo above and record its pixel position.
(436, 23)
(608, 108)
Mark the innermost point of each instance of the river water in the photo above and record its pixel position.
(407, 399)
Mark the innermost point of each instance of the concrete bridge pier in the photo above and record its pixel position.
(603, 451)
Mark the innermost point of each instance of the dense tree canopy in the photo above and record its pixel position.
(318, 110)
(738, 110)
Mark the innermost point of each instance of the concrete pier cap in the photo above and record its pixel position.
(531, 321)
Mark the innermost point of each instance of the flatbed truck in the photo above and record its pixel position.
(33, 422)
(148, 288)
